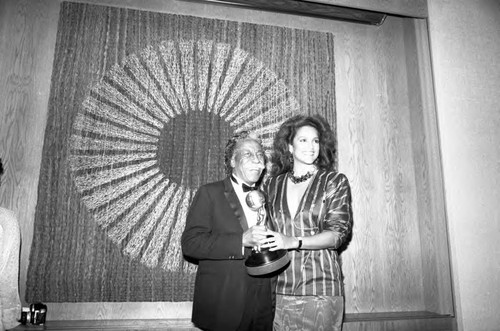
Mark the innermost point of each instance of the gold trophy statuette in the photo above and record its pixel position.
(263, 261)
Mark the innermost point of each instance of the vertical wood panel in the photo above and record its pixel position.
(382, 265)
(355, 134)
(428, 173)
(27, 46)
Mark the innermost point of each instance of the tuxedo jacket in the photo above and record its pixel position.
(213, 236)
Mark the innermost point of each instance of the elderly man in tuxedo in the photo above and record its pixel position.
(220, 232)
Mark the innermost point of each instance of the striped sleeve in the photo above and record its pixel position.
(338, 216)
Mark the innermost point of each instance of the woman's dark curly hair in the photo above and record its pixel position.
(231, 145)
(282, 158)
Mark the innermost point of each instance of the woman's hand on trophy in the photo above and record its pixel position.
(276, 241)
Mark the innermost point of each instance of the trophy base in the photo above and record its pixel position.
(266, 262)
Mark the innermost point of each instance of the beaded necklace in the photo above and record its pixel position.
(300, 179)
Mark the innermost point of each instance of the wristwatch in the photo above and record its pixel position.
(300, 243)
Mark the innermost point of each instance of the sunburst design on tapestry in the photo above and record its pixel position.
(153, 130)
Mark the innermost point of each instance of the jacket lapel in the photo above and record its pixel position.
(235, 204)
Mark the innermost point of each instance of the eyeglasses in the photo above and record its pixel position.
(247, 155)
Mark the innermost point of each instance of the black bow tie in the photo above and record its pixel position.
(247, 188)
(244, 186)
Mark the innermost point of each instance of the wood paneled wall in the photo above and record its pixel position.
(397, 260)
(27, 40)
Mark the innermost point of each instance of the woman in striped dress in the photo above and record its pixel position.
(309, 204)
